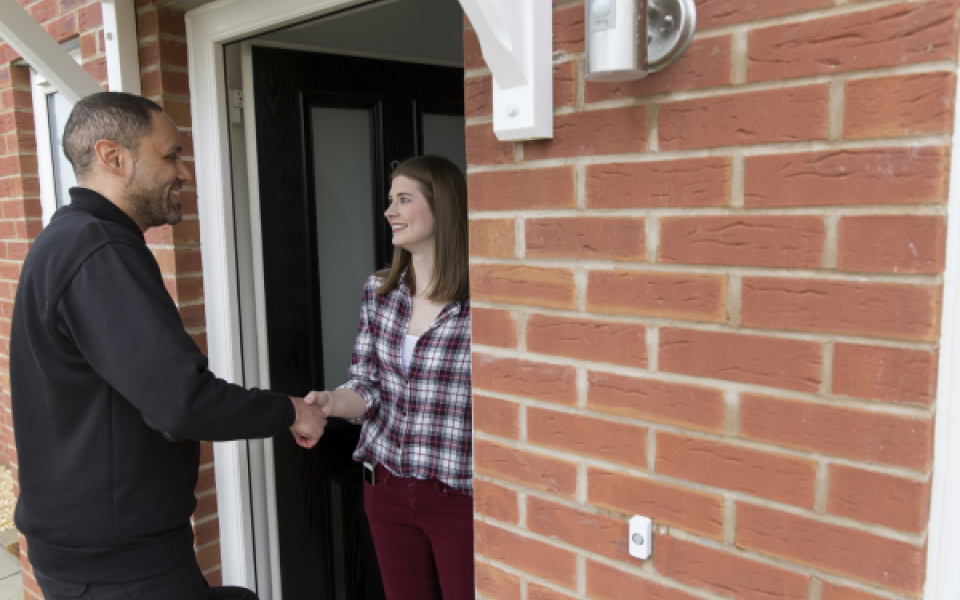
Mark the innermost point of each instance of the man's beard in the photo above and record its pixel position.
(151, 204)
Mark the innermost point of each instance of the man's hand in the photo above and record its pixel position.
(308, 427)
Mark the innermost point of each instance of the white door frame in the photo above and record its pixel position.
(209, 28)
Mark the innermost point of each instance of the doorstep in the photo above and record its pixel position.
(11, 586)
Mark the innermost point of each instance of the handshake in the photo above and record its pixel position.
(310, 422)
(312, 413)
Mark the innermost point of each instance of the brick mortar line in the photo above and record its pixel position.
(741, 442)
(204, 520)
(729, 520)
(174, 247)
(909, 411)
(913, 411)
(774, 561)
(675, 96)
(815, 589)
(914, 539)
(179, 97)
(160, 36)
(659, 322)
(651, 574)
(581, 574)
(484, 120)
(836, 107)
(206, 493)
(822, 488)
(943, 141)
(651, 214)
(648, 574)
(802, 17)
(190, 303)
(654, 427)
(478, 72)
(191, 274)
(163, 67)
(525, 576)
(906, 279)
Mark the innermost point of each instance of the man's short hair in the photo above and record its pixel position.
(116, 116)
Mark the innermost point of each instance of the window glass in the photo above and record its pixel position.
(343, 178)
(58, 111)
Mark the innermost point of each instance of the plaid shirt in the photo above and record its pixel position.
(417, 426)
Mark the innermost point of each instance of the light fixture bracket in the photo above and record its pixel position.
(516, 38)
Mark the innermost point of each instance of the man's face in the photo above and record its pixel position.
(158, 174)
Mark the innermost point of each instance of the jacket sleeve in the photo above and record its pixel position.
(364, 366)
(120, 317)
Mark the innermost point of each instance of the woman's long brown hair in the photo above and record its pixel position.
(443, 185)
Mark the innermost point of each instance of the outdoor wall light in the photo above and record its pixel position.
(628, 39)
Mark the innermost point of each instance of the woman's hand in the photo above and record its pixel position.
(344, 403)
(322, 400)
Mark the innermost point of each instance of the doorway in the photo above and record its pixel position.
(328, 113)
(330, 129)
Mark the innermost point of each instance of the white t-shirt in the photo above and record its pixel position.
(409, 343)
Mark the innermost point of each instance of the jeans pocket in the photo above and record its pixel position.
(54, 589)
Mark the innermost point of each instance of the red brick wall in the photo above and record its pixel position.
(164, 77)
(714, 299)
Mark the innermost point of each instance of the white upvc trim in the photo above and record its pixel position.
(516, 38)
(41, 88)
(123, 52)
(43, 53)
(943, 547)
(268, 474)
(211, 149)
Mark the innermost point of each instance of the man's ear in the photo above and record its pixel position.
(112, 157)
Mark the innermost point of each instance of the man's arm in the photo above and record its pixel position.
(122, 320)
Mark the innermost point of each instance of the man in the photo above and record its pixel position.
(110, 394)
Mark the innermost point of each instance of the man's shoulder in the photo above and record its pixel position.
(75, 232)
(69, 241)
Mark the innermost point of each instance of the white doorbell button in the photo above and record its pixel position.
(641, 537)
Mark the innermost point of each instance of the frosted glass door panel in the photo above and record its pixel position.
(445, 136)
(343, 179)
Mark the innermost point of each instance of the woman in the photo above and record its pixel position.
(410, 387)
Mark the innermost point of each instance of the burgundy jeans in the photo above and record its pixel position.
(417, 523)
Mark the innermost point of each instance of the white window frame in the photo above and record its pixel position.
(41, 89)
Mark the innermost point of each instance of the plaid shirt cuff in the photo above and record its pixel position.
(370, 395)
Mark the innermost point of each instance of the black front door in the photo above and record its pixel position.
(329, 129)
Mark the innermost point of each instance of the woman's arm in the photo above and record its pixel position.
(344, 403)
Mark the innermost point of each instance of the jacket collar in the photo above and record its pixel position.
(102, 208)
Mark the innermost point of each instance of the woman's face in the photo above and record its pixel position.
(409, 215)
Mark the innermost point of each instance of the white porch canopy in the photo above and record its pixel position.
(515, 37)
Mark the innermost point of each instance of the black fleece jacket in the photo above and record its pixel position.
(100, 369)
